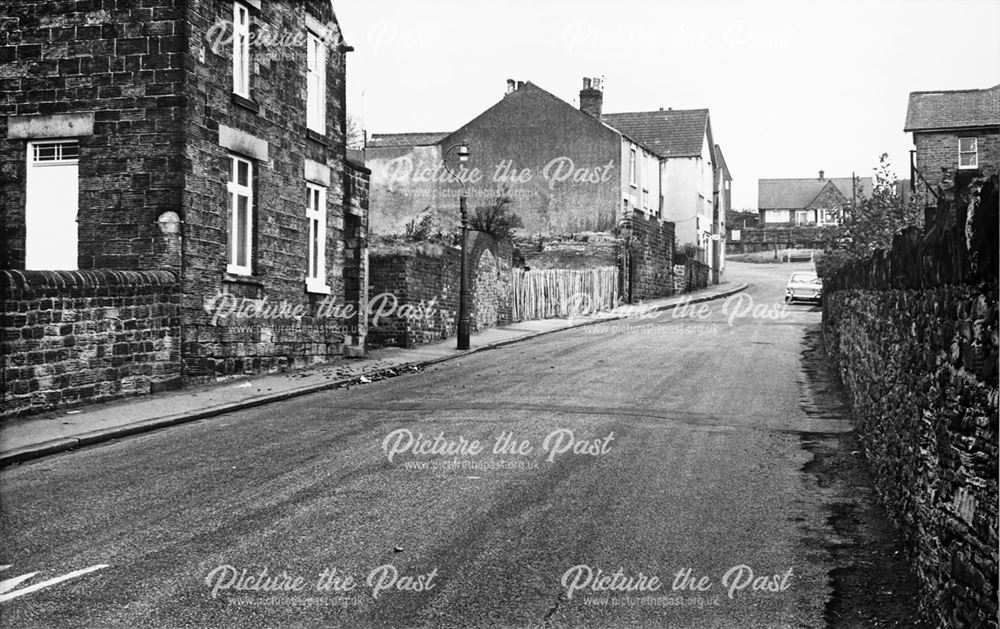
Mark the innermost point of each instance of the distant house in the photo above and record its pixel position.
(683, 139)
(953, 132)
(818, 202)
(723, 185)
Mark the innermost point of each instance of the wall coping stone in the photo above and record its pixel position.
(14, 283)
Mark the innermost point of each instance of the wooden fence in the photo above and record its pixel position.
(548, 293)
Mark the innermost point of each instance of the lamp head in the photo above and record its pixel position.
(463, 152)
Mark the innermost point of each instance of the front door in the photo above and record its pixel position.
(51, 204)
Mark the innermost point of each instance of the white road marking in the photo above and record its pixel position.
(44, 584)
(10, 584)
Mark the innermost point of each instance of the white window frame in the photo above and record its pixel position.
(631, 166)
(316, 244)
(241, 50)
(974, 152)
(315, 83)
(235, 192)
(56, 156)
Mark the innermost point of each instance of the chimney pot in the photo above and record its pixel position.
(510, 85)
(591, 97)
(520, 84)
(821, 175)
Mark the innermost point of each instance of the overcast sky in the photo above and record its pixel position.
(793, 87)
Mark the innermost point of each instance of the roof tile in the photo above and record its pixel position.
(670, 133)
(953, 110)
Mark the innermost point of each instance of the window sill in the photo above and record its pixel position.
(246, 103)
(240, 276)
(317, 137)
(317, 288)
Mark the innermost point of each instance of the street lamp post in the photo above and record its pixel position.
(463, 284)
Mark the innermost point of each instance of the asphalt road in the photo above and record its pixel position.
(686, 457)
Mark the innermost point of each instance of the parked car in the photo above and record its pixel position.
(804, 287)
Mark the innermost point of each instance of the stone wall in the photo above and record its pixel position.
(121, 67)
(914, 333)
(586, 250)
(754, 239)
(648, 265)
(82, 336)
(414, 290)
(691, 275)
(271, 130)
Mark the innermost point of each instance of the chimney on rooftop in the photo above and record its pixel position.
(591, 97)
(821, 175)
(510, 86)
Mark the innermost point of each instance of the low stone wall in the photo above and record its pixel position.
(81, 336)
(690, 276)
(754, 239)
(573, 252)
(914, 333)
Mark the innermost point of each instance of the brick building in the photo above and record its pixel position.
(200, 137)
(564, 169)
(684, 142)
(955, 134)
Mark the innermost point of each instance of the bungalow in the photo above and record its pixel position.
(817, 202)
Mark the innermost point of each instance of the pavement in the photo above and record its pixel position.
(23, 439)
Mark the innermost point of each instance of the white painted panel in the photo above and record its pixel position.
(51, 206)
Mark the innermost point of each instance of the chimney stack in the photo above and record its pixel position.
(821, 175)
(591, 97)
(510, 86)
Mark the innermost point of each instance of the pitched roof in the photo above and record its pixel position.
(392, 140)
(670, 133)
(720, 161)
(789, 194)
(953, 110)
(527, 90)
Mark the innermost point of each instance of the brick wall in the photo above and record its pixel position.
(648, 271)
(356, 195)
(80, 336)
(914, 332)
(937, 151)
(153, 172)
(426, 278)
(123, 63)
(414, 277)
(275, 114)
